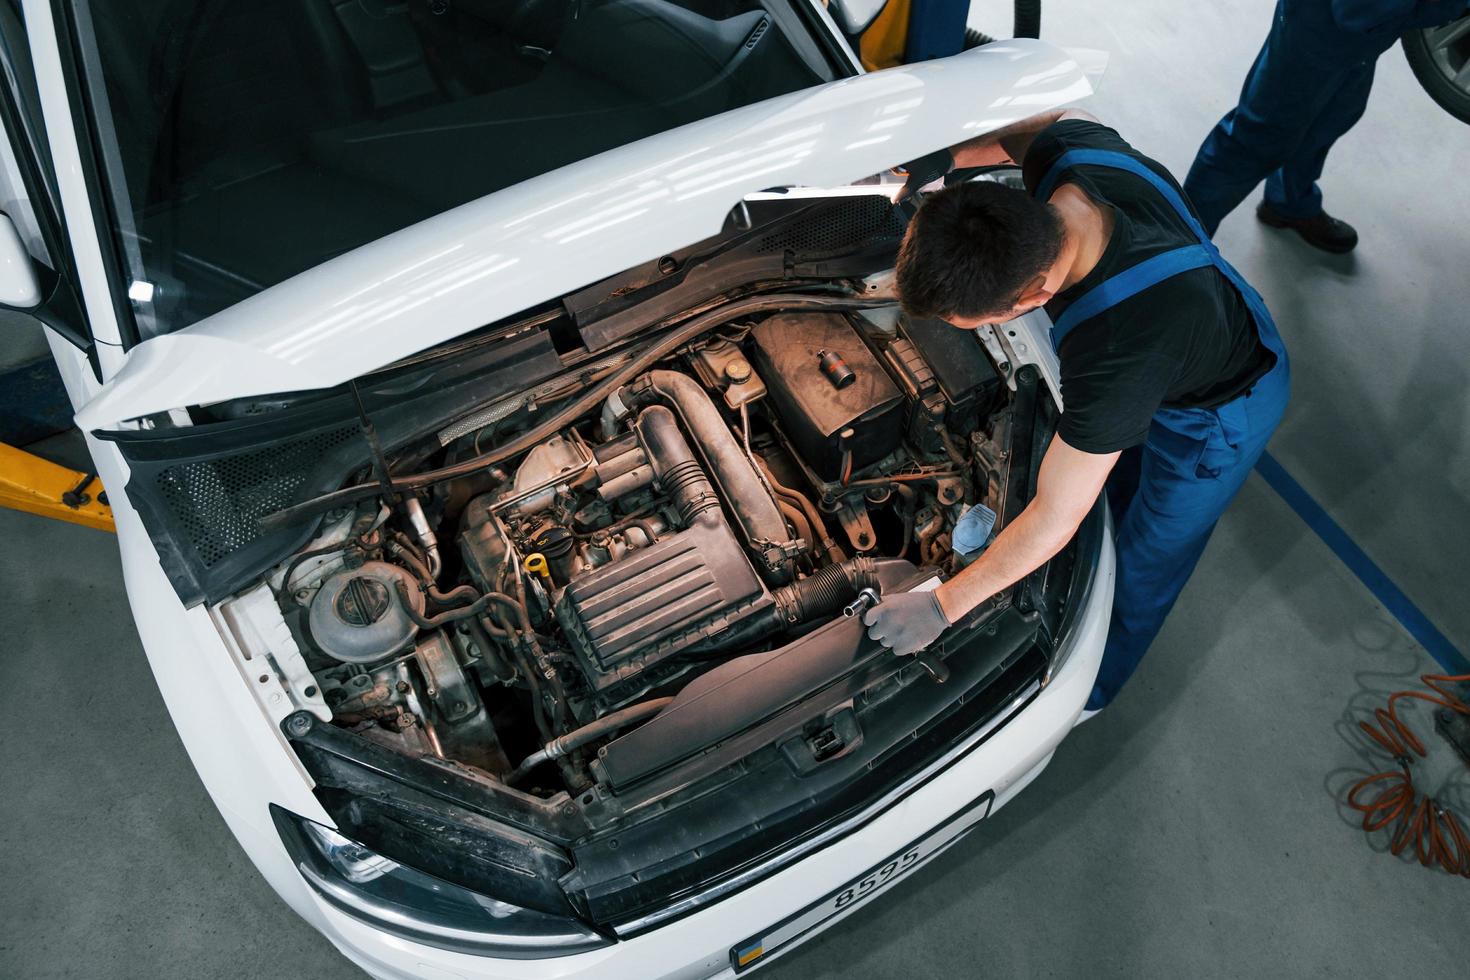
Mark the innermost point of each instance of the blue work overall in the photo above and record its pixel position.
(1193, 460)
(1308, 86)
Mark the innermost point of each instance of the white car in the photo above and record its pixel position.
(502, 423)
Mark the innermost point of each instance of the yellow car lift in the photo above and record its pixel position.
(32, 484)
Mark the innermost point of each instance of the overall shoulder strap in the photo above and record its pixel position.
(1151, 271)
(1121, 161)
(1129, 282)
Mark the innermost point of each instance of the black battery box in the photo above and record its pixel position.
(829, 390)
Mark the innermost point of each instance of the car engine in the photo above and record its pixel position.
(736, 494)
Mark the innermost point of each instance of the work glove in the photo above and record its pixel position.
(906, 622)
(925, 170)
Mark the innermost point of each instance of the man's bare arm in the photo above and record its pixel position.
(1067, 487)
(1010, 143)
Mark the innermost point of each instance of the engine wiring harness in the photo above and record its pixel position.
(1390, 798)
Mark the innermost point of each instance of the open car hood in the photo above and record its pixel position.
(555, 233)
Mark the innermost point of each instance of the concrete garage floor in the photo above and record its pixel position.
(1194, 828)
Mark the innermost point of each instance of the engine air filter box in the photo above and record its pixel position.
(627, 616)
(795, 356)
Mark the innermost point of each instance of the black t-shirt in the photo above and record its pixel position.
(1188, 341)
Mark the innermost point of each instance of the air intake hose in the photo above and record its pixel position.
(825, 592)
(678, 471)
(740, 486)
(815, 597)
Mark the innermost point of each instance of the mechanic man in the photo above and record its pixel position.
(1308, 86)
(1172, 373)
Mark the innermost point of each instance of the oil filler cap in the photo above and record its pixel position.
(363, 601)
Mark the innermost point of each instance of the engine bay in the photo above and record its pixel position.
(730, 499)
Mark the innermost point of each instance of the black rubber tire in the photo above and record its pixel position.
(1441, 88)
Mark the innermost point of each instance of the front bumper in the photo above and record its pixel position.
(1003, 760)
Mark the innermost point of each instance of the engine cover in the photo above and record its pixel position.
(626, 617)
(816, 410)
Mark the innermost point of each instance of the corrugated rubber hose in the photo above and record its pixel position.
(1027, 18)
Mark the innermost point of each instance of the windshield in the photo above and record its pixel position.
(245, 143)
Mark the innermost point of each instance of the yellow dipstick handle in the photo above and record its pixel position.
(536, 565)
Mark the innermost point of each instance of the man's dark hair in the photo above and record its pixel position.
(972, 248)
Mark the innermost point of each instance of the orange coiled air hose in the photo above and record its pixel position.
(1433, 830)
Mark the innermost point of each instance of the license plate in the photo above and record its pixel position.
(880, 876)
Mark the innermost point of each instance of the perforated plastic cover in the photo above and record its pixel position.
(202, 492)
(218, 503)
(203, 489)
(836, 227)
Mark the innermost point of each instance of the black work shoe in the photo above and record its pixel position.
(1321, 230)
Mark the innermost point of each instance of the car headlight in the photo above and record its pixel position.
(419, 907)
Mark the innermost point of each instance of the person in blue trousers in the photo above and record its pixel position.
(1173, 376)
(1308, 86)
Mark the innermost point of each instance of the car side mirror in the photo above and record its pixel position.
(19, 287)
